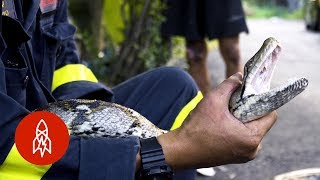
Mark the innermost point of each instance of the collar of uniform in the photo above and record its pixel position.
(8, 8)
(14, 34)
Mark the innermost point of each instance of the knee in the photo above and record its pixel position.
(176, 77)
(231, 54)
(230, 50)
(197, 51)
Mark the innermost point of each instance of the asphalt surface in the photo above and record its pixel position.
(294, 141)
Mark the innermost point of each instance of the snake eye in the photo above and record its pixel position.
(305, 82)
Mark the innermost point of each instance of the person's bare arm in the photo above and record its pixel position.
(211, 136)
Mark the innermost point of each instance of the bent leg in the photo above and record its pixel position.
(164, 95)
(230, 51)
(197, 53)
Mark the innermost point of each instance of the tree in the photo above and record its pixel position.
(87, 16)
(140, 47)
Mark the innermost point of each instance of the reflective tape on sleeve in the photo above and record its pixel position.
(15, 167)
(70, 73)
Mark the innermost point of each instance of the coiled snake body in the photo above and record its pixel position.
(94, 118)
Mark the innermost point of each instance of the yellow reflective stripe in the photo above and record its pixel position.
(72, 72)
(186, 110)
(15, 167)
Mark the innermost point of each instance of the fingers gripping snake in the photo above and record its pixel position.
(252, 100)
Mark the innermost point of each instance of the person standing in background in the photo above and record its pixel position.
(197, 20)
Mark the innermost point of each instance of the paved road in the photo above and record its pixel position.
(294, 141)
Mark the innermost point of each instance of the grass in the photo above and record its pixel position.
(257, 12)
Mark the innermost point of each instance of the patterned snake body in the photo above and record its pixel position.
(94, 118)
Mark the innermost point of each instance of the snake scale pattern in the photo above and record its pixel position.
(254, 99)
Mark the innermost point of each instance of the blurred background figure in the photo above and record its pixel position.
(197, 20)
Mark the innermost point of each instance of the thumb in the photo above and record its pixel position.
(228, 86)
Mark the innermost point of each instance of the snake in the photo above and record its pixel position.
(252, 100)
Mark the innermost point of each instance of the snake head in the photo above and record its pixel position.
(258, 71)
(254, 98)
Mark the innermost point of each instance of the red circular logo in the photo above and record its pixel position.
(42, 138)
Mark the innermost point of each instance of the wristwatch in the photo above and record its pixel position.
(153, 163)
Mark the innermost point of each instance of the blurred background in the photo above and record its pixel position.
(119, 39)
(113, 33)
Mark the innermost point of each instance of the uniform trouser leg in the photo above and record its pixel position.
(159, 95)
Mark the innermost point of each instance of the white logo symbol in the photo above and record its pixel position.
(41, 142)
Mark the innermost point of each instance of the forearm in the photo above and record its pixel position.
(174, 148)
(183, 151)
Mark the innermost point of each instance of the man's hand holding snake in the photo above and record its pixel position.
(212, 136)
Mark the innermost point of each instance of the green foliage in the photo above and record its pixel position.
(178, 48)
(131, 42)
(298, 14)
(112, 20)
(89, 43)
(155, 52)
(257, 9)
(86, 15)
(138, 44)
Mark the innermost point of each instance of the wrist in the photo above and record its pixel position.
(173, 149)
(183, 149)
(167, 143)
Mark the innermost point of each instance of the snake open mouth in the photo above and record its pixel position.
(254, 99)
(262, 78)
(261, 68)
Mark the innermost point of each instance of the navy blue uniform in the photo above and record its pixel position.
(39, 64)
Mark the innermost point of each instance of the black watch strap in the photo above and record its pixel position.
(154, 165)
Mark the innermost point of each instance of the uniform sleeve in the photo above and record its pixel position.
(71, 78)
(93, 158)
(11, 113)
